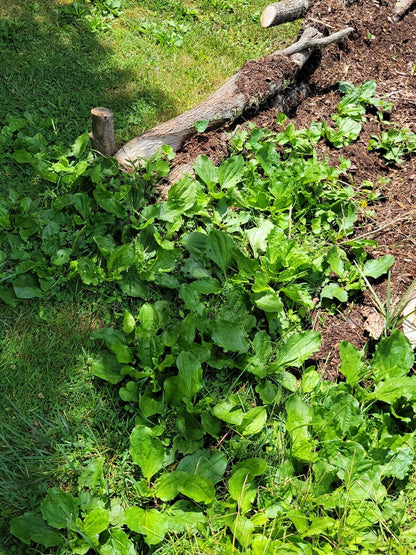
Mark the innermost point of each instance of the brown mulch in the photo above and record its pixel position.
(377, 49)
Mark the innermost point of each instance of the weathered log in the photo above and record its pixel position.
(284, 102)
(102, 136)
(401, 8)
(282, 12)
(254, 84)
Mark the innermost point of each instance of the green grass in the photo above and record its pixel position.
(53, 64)
(53, 417)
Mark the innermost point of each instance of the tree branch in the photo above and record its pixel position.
(312, 40)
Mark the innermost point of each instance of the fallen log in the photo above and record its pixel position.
(282, 12)
(254, 84)
(285, 102)
(401, 8)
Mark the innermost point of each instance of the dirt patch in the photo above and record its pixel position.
(377, 49)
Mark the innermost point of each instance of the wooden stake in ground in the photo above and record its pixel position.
(102, 136)
(282, 12)
(257, 81)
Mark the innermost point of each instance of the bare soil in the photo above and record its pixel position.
(378, 49)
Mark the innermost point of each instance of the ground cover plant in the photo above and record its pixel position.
(233, 441)
(69, 437)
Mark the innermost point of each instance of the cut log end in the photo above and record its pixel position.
(282, 12)
(267, 17)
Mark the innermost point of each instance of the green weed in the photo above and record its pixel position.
(394, 145)
(218, 429)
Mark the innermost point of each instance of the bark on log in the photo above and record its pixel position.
(282, 12)
(256, 82)
(102, 136)
(401, 8)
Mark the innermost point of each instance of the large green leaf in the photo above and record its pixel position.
(183, 192)
(270, 302)
(132, 285)
(184, 517)
(228, 412)
(107, 367)
(96, 522)
(59, 508)
(26, 286)
(255, 465)
(376, 268)
(88, 271)
(297, 424)
(230, 335)
(393, 389)
(257, 236)
(348, 131)
(198, 488)
(399, 463)
(31, 527)
(92, 476)
(122, 257)
(254, 421)
(231, 171)
(204, 462)
(80, 144)
(334, 291)
(149, 319)
(108, 202)
(129, 322)
(393, 358)
(242, 528)
(219, 249)
(352, 364)
(339, 416)
(299, 294)
(262, 349)
(109, 335)
(298, 348)
(146, 450)
(190, 373)
(152, 524)
(205, 170)
(123, 353)
(118, 544)
(242, 488)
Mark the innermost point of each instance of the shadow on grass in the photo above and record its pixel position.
(53, 417)
(54, 65)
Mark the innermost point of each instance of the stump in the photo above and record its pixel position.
(102, 136)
